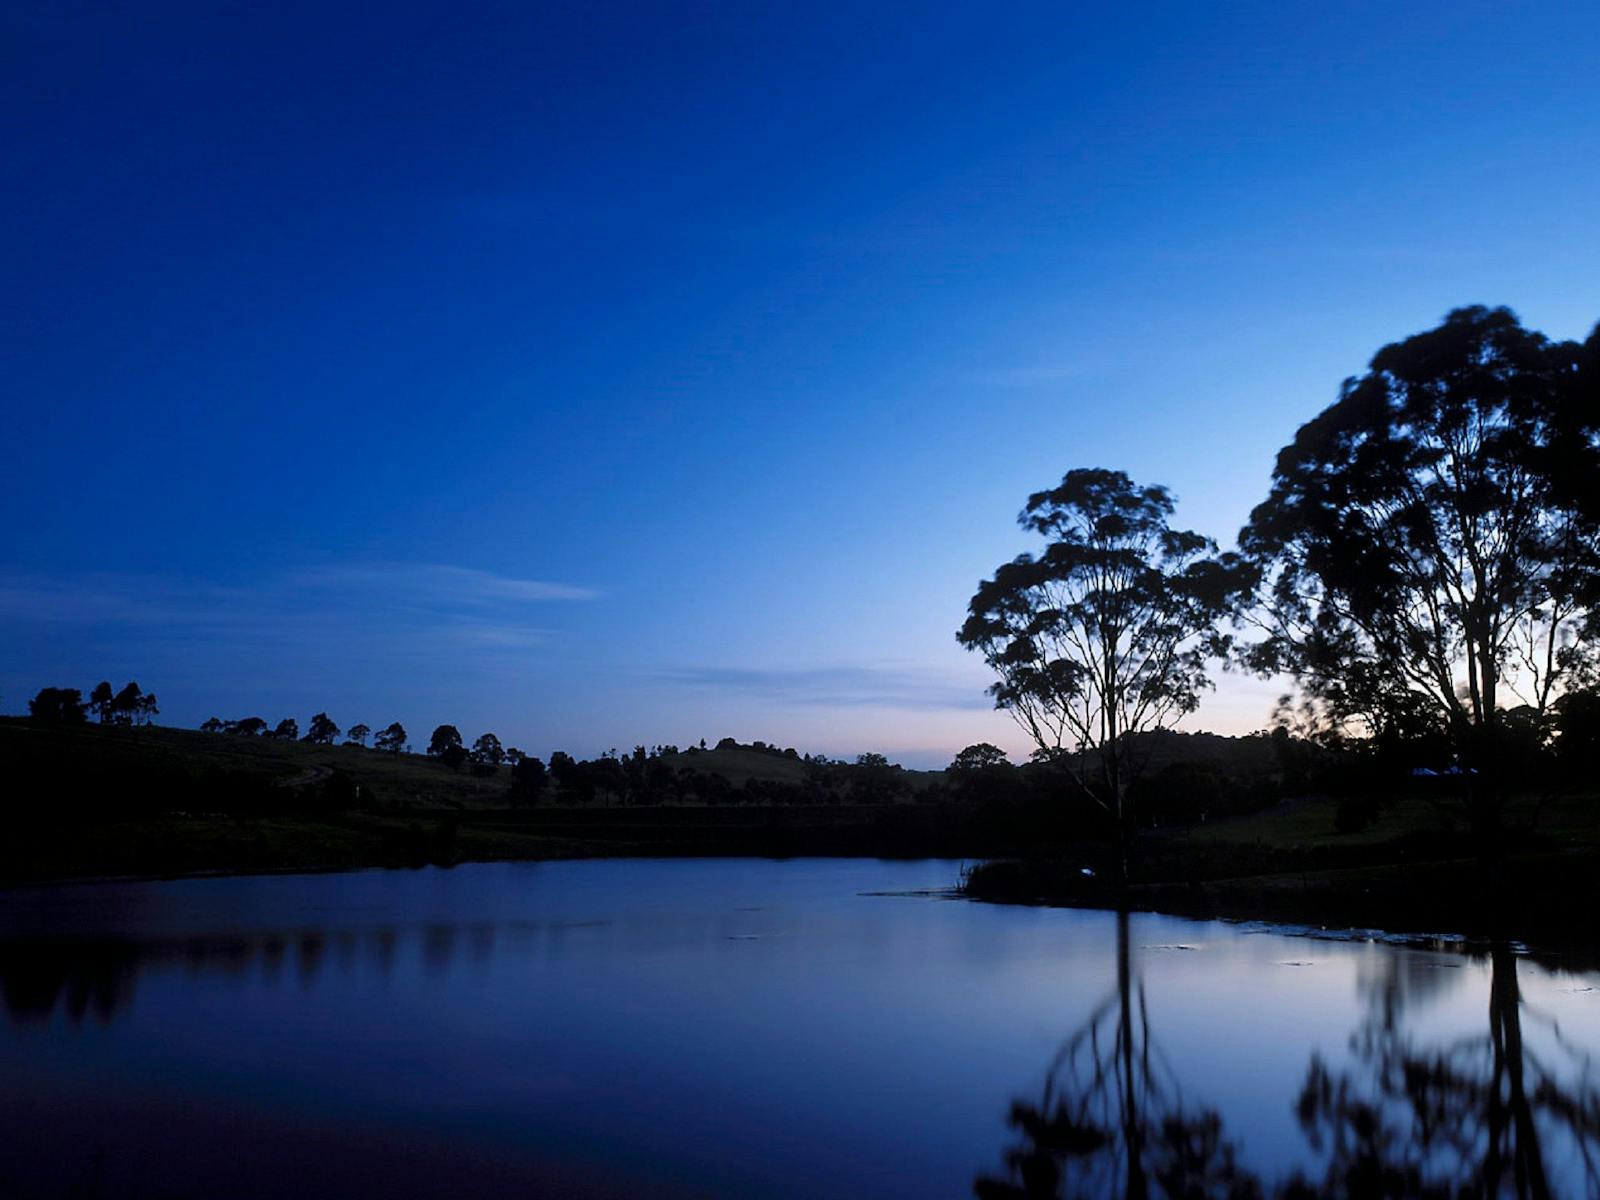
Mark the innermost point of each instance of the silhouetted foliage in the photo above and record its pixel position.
(977, 758)
(57, 706)
(1428, 547)
(528, 780)
(444, 737)
(392, 739)
(487, 751)
(564, 771)
(322, 730)
(213, 725)
(287, 729)
(249, 727)
(1107, 632)
(358, 735)
(127, 705)
(101, 700)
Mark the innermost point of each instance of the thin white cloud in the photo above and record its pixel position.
(438, 582)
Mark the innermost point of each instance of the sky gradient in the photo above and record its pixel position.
(613, 374)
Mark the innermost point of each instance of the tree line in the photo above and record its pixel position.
(1425, 566)
(320, 731)
(66, 706)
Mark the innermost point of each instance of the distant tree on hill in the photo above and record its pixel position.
(392, 739)
(980, 756)
(874, 780)
(322, 730)
(487, 751)
(982, 775)
(145, 709)
(358, 735)
(57, 706)
(101, 699)
(125, 705)
(249, 727)
(288, 728)
(444, 737)
(454, 757)
(212, 725)
(728, 743)
(514, 756)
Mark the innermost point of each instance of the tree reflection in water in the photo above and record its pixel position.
(1481, 1116)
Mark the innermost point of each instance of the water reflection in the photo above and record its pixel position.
(1482, 1115)
(83, 977)
(736, 1028)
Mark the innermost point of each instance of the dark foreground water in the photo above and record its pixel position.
(748, 1028)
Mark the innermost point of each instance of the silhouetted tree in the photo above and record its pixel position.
(528, 780)
(1107, 633)
(980, 756)
(249, 727)
(212, 725)
(101, 700)
(444, 737)
(392, 739)
(359, 735)
(322, 730)
(487, 751)
(1428, 539)
(125, 705)
(145, 709)
(57, 706)
(568, 776)
(287, 728)
(453, 756)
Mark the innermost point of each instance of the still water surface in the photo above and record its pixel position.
(749, 1028)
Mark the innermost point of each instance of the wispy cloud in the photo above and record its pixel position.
(462, 606)
(911, 688)
(433, 582)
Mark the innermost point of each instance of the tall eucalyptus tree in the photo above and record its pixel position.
(1428, 544)
(1107, 632)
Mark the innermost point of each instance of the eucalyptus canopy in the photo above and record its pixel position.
(1428, 548)
(1107, 632)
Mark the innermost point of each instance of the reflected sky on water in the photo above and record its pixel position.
(702, 1028)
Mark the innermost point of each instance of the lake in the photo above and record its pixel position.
(754, 1028)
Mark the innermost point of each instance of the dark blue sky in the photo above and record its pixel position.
(604, 374)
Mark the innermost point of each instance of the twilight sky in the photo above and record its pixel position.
(602, 374)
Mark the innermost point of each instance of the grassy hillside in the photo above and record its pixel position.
(92, 764)
(93, 800)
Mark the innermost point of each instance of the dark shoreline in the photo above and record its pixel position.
(1544, 897)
